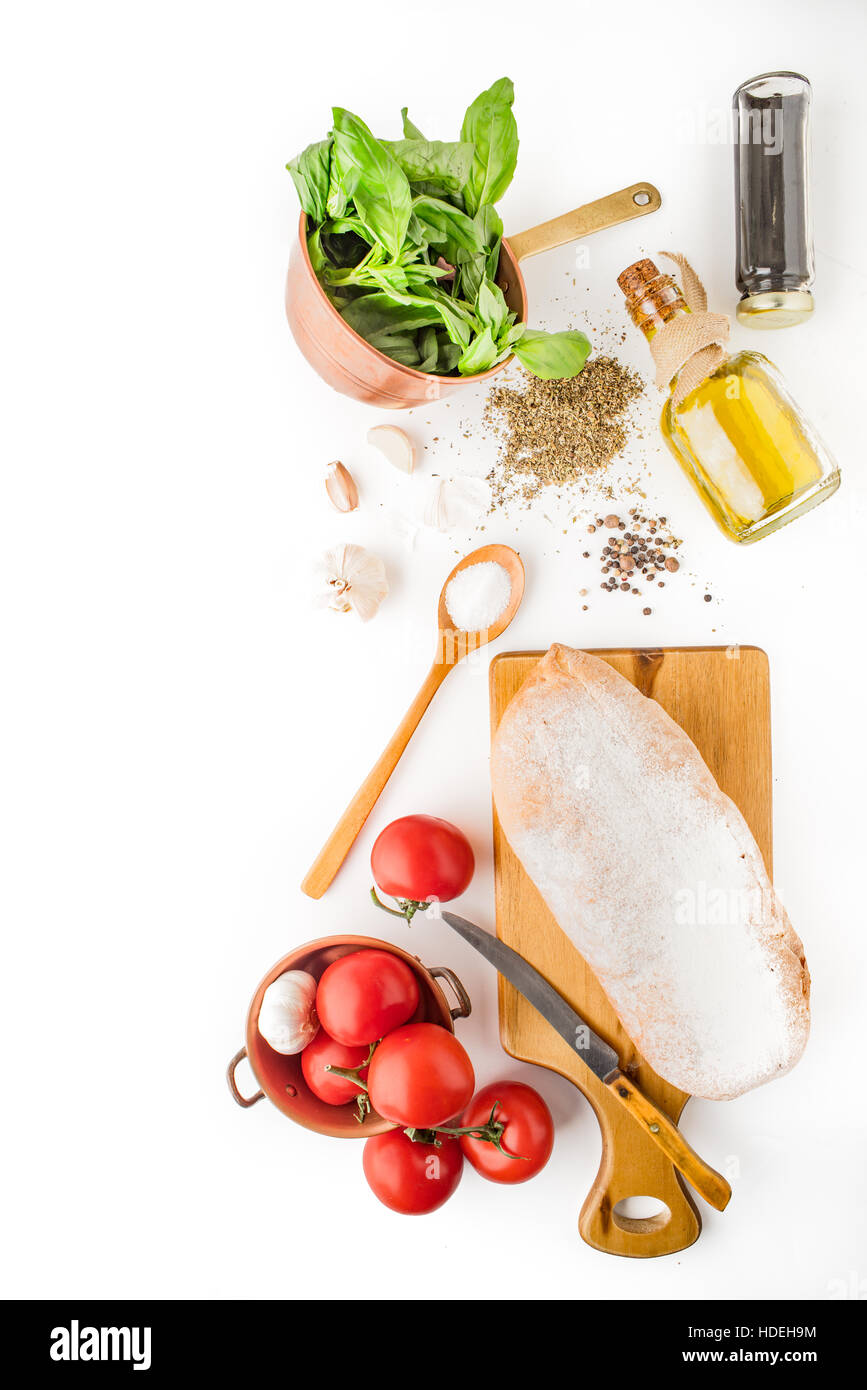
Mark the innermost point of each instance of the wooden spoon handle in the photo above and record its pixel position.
(592, 217)
(706, 1180)
(332, 854)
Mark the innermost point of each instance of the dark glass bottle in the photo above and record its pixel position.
(774, 269)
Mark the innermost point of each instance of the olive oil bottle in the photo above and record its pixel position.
(741, 439)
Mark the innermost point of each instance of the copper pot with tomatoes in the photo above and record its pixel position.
(281, 1078)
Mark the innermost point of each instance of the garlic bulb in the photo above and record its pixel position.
(287, 1017)
(340, 487)
(353, 579)
(456, 502)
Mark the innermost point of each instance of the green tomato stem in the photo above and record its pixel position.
(352, 1073)
(490, 1133)
(407, 907)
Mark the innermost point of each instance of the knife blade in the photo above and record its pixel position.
(593, 1050)
(597, 1055)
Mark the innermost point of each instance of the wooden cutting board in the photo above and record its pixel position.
(721, 697)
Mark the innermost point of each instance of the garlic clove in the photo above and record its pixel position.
(287, 1015)
(395, 444)
(456, 502)
(353, 580)
(340, 486)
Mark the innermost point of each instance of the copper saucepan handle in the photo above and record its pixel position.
(635, 201)
(465, 1007)
(245, 1101)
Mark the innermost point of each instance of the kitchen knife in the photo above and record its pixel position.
(596, 1054)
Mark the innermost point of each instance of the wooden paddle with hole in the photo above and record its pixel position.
(721, 698)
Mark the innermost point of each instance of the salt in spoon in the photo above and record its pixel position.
(452, 645)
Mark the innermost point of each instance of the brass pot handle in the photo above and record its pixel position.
(465, 1007)
(635, 201)
(245, 1101)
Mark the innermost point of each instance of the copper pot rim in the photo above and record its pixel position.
(411, 373)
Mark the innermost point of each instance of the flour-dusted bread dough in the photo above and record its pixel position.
(653, 874)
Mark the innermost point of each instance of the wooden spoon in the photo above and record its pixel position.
(452, 646)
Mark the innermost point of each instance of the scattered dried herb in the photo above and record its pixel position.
(559, 432)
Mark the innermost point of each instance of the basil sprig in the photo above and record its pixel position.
(405, 239)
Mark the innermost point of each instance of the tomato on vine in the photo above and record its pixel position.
(412, 1178)
(420, 1076)
(419, 860)
(524, 1132)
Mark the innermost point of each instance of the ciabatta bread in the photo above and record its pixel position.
(653, 874)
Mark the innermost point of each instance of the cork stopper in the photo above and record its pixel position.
(651, 297)
(636, 276)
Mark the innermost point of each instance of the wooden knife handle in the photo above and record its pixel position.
(706, 1180)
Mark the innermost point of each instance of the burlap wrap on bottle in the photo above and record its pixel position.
(689, 346)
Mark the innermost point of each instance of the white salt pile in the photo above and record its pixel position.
(478, 596)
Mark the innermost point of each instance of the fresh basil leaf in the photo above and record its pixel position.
(489, 125)
(456, 318)
(377, 313)
(420, 273)
(513, 333)
(402, 347)
(338, 226)
(437, 164)
(390, 279)
(434, 190)
(447, 225)
(479, 356)
(416, 234)
(315, 252)
(340, 190)
(428, 349)
(380, 188)
(371, 274)
(552, 356)
(410, 131)
(472, 274)
(449, 355)
(311, 173)
(491, 308)
(490, 225)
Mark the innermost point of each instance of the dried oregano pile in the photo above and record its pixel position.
(559, 432)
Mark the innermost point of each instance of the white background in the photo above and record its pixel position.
(181, 727)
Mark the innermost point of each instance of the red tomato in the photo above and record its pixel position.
(528, 1132)
(420, 1076)
(334, 1090)
(419, 858)
(412, 1178)
(361, 997)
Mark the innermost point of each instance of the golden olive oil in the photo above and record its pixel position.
(739, 436)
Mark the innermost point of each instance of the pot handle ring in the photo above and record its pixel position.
(244, 1101)
(465, 1007)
